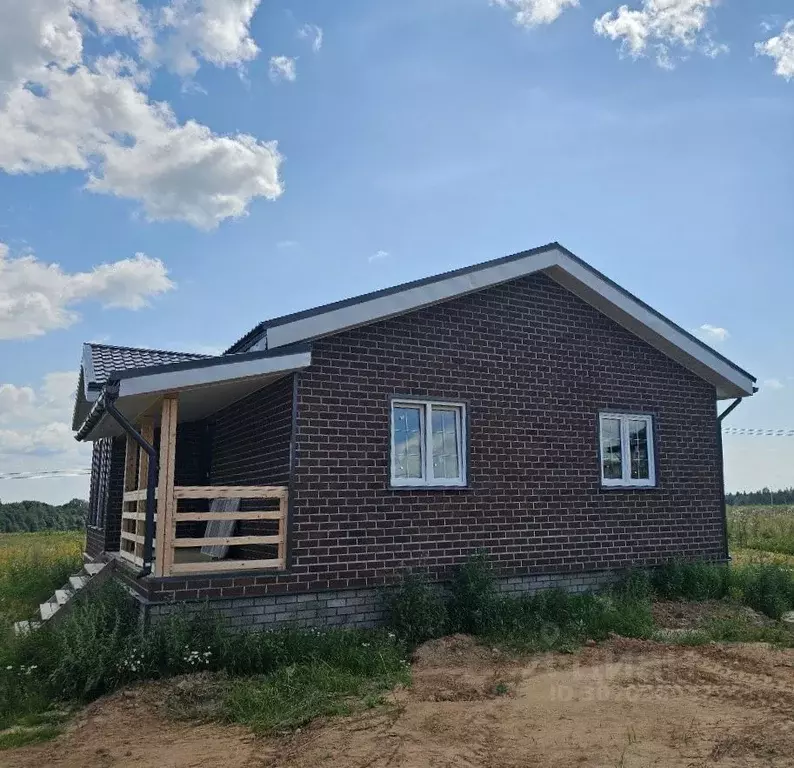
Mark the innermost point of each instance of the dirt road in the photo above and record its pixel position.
(626, 703)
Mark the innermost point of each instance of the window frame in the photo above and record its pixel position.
(426, 405)
(626, 481)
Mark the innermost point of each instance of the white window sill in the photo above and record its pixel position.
(428, 487)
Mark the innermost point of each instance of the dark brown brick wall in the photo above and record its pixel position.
(251, 446)
(535, 365)
(251, 438)
(104, 537)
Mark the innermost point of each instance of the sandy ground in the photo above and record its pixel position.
(625, 703)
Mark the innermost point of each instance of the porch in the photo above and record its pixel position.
(188, 537)
(192, 458)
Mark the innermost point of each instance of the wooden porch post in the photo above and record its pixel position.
(166, 504)
(147, 433)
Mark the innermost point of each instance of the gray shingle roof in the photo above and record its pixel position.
(107, 359)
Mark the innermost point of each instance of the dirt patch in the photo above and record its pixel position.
(130, 729)
(627, 703)
(672, 614)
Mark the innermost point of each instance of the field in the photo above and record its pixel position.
(32, 565)
(764, 529)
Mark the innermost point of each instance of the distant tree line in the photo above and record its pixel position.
(31, 516)
(764, 496)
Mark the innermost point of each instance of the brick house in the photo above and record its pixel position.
(528, 406)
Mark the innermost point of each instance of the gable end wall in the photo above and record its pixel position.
(535, 365)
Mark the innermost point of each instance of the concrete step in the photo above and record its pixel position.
(92, 569)
(62, 596)
(78, 582)
(23, 627)
(48, 609)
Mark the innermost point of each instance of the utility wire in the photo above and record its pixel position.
(758, 432)
(45, 474)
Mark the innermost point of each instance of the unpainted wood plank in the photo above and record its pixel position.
(220, 566)
(229, 491)
(147, 433)
(185, 517)
(166, 505)
(135, 516)
(131, 450)
(282, 528)
(135, 560)
(231, 541)
(138, 495)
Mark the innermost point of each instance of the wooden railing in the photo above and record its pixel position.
(264, 494)
(167, 542)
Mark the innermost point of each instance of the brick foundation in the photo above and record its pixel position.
(360, 608)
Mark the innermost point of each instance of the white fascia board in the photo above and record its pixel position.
(409, 300)
(611, 301)
(569, 272)
(207, 375)
(88, 374)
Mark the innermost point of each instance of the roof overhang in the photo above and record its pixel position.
(204, 387)
(555, 261)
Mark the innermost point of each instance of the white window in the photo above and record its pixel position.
(428, 443)
(627, 450)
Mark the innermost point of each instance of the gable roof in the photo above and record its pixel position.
(556, 262)
(102, 360)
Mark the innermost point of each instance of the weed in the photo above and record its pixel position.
(417, 611)
(474, 595)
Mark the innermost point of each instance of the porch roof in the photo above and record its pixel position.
(204, 384)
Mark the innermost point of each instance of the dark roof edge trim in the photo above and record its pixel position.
(209, 362)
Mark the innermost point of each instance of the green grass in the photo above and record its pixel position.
(32, 565)
(297, 694)
(24, 736)
(763, 528)
(100, 646)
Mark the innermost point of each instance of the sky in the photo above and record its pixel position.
(173, 172)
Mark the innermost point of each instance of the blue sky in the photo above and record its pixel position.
(413, 137)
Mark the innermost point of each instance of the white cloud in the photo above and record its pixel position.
(712, 333)
(781, 49)
(116, 17)
(35, 437)
(36, 297)
(661, 25)
(283, 245)
(531, 13)
(48, 439)
(282, 68)
(35, 33)
(378, 256)
(314, 33)
(217, 31)
(773, 384)
(38, 417)
(59, 111)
